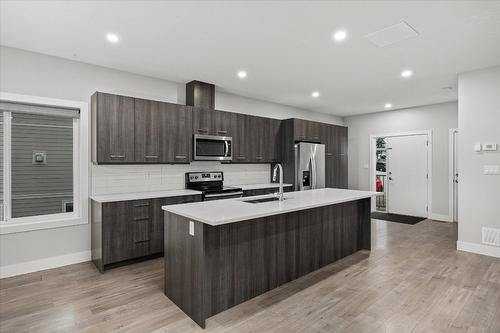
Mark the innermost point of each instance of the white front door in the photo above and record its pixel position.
(407, 176)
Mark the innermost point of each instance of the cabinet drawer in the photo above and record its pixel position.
(141, 209)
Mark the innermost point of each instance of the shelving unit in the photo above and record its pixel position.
(380, 174)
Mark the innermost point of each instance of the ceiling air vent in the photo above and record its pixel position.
(491, 236)
(391, 35)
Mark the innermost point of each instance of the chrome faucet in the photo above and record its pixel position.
(280, 193)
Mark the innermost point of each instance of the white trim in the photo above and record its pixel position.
(43, 264)
(373, 138)
(440, 217)
(81, 161)
(485, 250)
(451, 176)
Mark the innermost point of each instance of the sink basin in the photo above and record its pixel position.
(262, 200)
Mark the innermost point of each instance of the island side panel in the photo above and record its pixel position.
(364, 213)
(247, 258)
(184, 259)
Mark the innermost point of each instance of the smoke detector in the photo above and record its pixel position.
(392, 34)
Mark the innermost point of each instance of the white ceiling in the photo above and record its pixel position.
(286, 47)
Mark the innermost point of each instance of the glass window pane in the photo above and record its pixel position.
(42, 164)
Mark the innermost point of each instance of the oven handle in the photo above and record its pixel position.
(223, 194)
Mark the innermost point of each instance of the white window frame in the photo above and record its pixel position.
(81, 166)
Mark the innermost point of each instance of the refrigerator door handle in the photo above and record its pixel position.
(313, 172)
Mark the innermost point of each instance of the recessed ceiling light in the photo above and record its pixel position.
(242, 74)
(315, 94)
(339, 35)
(112, 38)
(406, 73)
(388, 105)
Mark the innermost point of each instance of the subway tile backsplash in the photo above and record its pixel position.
(114, 179)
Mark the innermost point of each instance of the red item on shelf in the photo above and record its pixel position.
(378, 185)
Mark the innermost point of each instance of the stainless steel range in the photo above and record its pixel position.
(212, 185)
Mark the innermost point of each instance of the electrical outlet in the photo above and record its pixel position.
(191, 228)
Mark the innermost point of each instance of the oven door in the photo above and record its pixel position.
(212, 148)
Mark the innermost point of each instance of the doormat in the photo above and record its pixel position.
(397, 218)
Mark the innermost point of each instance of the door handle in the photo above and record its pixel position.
(390, 178)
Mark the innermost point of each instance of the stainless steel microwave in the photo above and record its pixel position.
(212, 148)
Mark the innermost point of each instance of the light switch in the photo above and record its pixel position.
(191, 228)
(489, 146)
(491, 170)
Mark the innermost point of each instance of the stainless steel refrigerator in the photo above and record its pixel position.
(309, 166)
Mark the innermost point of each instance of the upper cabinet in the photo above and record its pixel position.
(131, 130)
(211, 122)
(162, 132)
(113, 129)
(304, 130)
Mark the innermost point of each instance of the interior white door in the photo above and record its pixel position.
(455, 176)
(407, 178)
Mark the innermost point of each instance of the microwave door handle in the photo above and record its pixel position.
(226, 148)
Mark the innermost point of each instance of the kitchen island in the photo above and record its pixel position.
(221, 253)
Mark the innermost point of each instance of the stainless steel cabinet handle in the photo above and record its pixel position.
(329, 154)
(203, 130)
(180, 156)
(258, 157)
(150, 156)
(117, 156)
(222, 132)
(241, 157)
(315, 137)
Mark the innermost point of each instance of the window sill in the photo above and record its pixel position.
(40, 224)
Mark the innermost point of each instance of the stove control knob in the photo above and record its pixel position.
(196, 177)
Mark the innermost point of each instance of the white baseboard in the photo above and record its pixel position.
(440, 217)
(45, 263)
(485, 250)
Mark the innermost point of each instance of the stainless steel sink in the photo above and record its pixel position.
(262, 200)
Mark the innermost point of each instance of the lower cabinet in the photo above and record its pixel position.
(263, 191)
(126, 230)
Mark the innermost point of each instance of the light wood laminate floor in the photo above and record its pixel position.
(413, 280)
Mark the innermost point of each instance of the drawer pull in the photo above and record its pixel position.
(259, 158)
(222, 132)
(180, 156)
(241, 157)
(150, 156)
(116, 156)
(329, 154)
(315, 137)
(142, 204)
(202, 130)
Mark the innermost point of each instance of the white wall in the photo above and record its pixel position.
(479, 122)
(29, 73)
(437, 117)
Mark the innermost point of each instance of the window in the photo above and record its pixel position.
(39, 161)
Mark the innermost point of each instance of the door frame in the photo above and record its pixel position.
(373, 147)
(451, 177)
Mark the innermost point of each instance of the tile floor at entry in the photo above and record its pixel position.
(412, 281)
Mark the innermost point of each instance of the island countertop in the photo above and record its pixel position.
(220, 212)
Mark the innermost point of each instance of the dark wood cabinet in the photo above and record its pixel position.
(335, 140)
(112, 128)
(305, 130)
(211, 122)
(162, 132)
(262, 135)
(126, 230)
(239, 130)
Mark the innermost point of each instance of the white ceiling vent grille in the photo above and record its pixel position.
(391, 35)
(491, 236)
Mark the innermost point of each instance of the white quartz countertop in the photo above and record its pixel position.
(142, 195)
(246, 187)
(219, 212)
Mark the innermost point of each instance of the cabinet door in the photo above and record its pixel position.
(258, 135)
(114, 126)
(240, 134)
(117, 234)
(148, 129)
(305, 130)
(202, 121)
(176, 135)
(273, 141)
(221, 123)
(141, 227)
